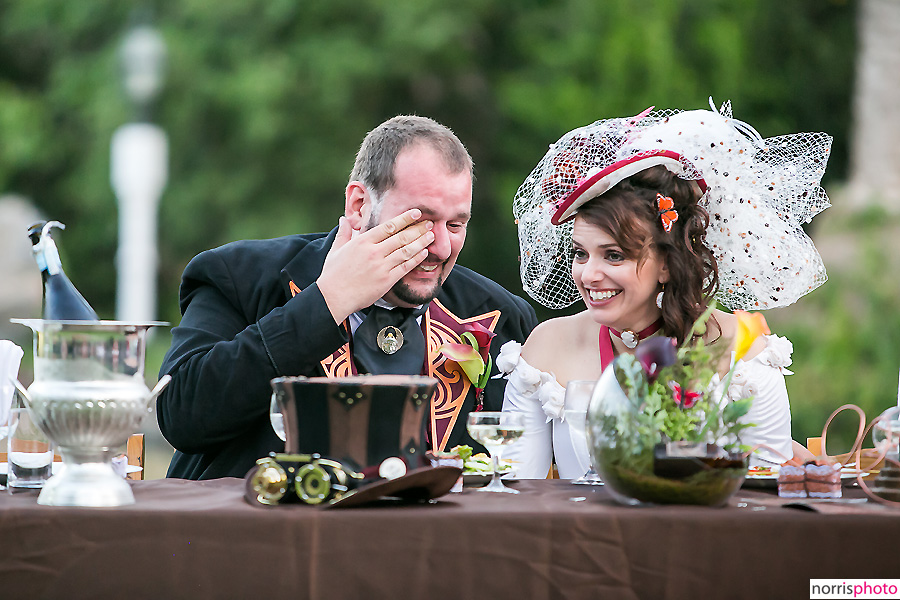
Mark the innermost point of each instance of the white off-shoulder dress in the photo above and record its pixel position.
(549, 436)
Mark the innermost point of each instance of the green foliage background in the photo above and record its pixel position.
(266, 102)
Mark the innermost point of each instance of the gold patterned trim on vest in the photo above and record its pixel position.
(443, 327)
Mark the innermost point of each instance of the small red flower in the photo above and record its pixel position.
(684, 399)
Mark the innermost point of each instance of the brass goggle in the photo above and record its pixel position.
(308, 478)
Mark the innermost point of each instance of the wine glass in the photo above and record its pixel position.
(886, 433)
(578, 397)
(276, 417)
(494, 430)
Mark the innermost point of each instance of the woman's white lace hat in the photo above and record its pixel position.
(758, 192)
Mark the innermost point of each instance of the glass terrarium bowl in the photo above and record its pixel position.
(639, 467)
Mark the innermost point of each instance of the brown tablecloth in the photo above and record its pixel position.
(185, 539)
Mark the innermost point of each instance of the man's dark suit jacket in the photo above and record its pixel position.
(242, 326)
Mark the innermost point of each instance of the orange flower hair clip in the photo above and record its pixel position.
(667, 213)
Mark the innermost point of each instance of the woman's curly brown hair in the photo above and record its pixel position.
(629, 213)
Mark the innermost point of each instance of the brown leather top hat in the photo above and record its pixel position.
(350, 441)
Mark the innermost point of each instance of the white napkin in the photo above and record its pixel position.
(120, 465)
(10, 359)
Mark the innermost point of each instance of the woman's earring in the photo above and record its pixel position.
(659, 298)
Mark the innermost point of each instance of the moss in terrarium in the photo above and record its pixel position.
(633, 476)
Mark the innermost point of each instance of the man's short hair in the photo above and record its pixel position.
(374, 165)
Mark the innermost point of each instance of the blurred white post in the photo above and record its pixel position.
(139, 174)
(874, 152)
(139, 171)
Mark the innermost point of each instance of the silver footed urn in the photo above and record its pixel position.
(88, 396)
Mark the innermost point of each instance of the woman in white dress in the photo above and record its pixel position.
(646, 220)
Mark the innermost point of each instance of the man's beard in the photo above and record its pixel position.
(405, 294)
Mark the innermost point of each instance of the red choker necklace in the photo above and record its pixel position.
(631, 339)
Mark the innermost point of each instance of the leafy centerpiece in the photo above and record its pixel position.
(661, 425)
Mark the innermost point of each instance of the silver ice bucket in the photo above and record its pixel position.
(88, 396)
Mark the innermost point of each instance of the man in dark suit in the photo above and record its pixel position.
(380, 293)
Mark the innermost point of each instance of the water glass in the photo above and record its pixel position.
(29, 452)
(578, 398)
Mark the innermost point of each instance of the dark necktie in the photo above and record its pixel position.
(390, 341)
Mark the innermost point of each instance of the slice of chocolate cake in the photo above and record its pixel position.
(823, 481)
(792, 482)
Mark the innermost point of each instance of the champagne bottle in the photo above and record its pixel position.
(62, 301)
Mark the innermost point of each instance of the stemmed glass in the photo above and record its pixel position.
(494, 430)
(578, 397)
(276, 417)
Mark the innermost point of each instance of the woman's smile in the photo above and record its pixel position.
(602, 295)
